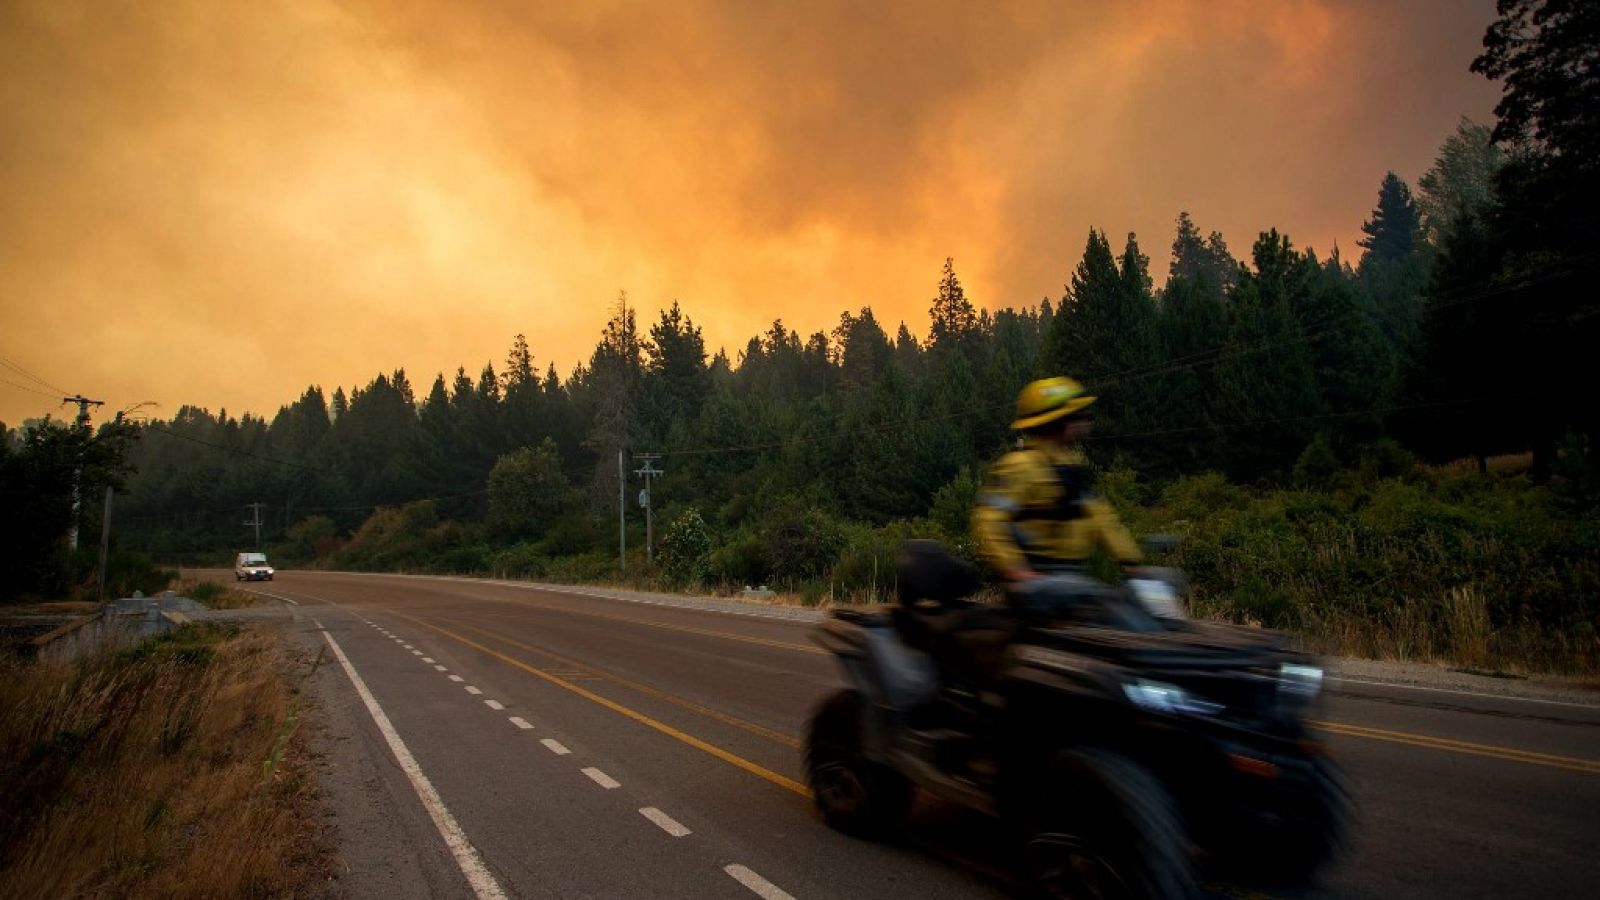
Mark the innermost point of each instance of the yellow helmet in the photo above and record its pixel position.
(1047, 400)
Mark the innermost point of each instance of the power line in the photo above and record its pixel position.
(23, 387)
(234, 450)
(476, 493)
(24, 372)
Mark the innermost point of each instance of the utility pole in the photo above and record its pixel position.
(256, 521)
(105, 546)
(105, 539)
(622, 516)
(647, 471)
(83, 422)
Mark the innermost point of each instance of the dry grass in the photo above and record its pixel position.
(218, 596)
(171, 770)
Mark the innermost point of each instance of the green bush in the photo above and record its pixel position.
(685, 552)
(594, 566)
(1317, 463)
(523, 560)
(951, 512)
(867, 561)
(738, 560)
(307, 540)
(1440, 565)
(799, 542)
(206, 592)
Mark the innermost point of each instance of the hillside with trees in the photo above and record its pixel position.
(1328, 433)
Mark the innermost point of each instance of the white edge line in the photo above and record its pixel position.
(1507, 697)
(665, 822)
(602, 779)
(763, 888)
(272, 595)
(555, 746)
(466, 856)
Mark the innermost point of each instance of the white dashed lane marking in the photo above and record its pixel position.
(416, 653)
(494, 704)
(440, 669)
(456, 678)
(763, 888)
(522, 723)
(665, 822)
(428, 660)
(483, 883)
(473, 690)
(555, 746)
(602, 779)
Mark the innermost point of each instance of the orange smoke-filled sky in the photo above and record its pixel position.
(221, 203)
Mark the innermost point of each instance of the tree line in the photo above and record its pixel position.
(1458, 330)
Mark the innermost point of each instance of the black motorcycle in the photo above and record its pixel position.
(1120, 740)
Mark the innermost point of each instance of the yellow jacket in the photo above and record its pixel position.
(1038, 508)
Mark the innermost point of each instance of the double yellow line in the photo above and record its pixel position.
(753, 768)
(1429, 742)
(1450, 745)
(641, 687)
(690, 629)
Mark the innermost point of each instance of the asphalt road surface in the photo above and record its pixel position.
(486, 739)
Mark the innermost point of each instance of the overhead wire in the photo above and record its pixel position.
(27, 374)
(234, 450)
(23, 387)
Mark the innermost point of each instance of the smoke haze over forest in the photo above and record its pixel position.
(219, 204)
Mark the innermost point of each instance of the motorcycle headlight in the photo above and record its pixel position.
(1158, 696)
(1300, 680)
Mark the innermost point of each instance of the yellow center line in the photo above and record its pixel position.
(687, 629)
(583, 669)
(1450, 745)
(756, 769)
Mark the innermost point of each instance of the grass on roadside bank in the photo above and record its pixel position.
(171, 769)
(217, 596)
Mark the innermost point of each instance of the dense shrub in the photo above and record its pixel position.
(685, 552)
(799, 542)
(1442, 565)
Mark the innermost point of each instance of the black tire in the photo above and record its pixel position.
(1315, 831)
(1106, 829)
(854, 794)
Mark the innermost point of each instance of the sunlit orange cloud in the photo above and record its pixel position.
(220, 204)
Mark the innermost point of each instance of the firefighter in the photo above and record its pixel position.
(1038, 509)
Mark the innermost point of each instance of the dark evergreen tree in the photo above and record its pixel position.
(676, 379)
(1545, 226)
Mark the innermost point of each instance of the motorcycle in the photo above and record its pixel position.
(1120, 740)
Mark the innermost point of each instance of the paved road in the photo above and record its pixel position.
(539, 744)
